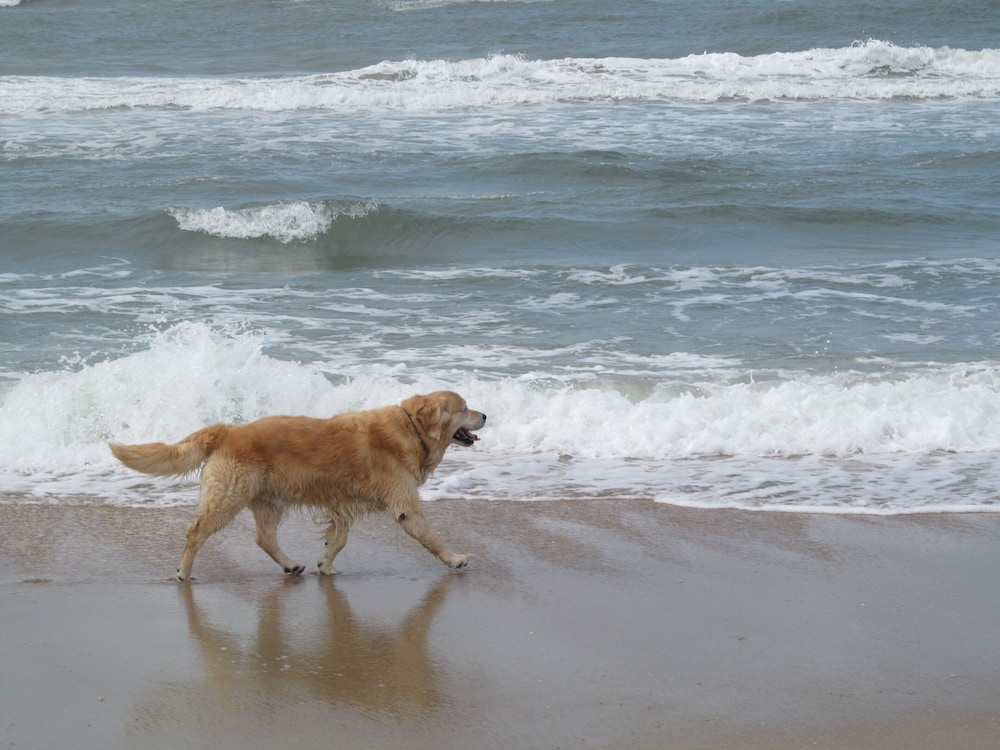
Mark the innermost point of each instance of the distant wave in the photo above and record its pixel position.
(283, 222)
(868, 70)
(332, 233)
(329, 233)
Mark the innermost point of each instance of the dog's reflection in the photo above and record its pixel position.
(334, 656)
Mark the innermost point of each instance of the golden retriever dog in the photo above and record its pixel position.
(339, 469)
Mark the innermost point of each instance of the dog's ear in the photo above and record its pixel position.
(432, 415)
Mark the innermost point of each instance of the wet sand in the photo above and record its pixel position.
(579, 624)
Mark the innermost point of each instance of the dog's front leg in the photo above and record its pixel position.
(416, 525)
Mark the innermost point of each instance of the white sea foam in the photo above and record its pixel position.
(836, 443)
(870, 70)
(283, 222)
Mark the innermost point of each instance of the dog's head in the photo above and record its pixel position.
(445, 417)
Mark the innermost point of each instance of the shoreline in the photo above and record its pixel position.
(586, 623)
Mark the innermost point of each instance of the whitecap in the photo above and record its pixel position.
(870, 70)
(284, 222)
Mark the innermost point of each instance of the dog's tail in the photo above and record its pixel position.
(177, 458)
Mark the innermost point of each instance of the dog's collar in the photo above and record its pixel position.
(427, 451)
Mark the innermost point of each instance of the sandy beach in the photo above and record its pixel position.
(579, 624)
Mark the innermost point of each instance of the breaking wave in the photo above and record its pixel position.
(282, 222)
(865, 70)
(848, 443)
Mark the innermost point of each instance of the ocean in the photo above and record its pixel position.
(705, 253)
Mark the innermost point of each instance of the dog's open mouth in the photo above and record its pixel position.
(465, 437)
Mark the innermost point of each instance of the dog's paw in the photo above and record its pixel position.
(295, 570)
(327, 570)
(458, 561)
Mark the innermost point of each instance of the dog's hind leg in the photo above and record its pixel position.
(267, 516)
(224, 493)
(336, 538)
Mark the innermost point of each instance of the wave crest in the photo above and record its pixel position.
(871, 69)
(284, 222)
